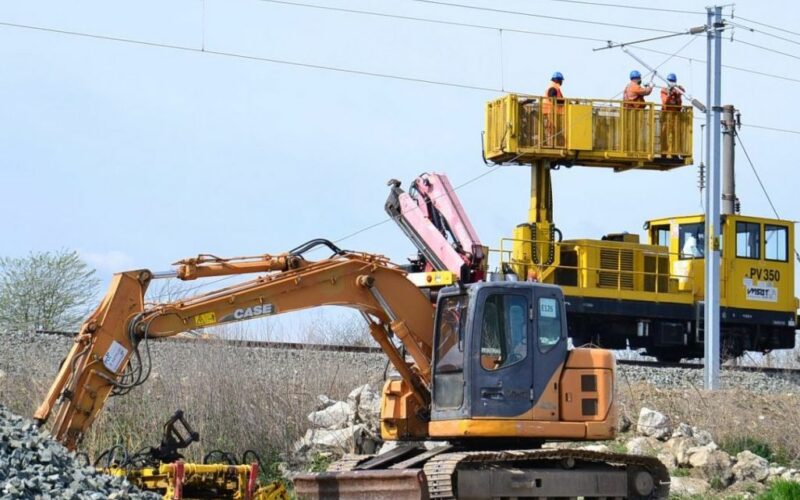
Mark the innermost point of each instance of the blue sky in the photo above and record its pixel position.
(139, 155)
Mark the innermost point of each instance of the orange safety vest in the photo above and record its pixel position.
(547, 102)
(671, 99)
(634, 95)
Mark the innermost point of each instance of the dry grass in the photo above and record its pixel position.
(731, 416)
(236, 398)
(240, 398)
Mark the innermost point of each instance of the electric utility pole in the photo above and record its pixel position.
(711, 323)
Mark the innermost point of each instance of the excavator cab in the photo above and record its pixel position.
(502, 368)
(497, 346)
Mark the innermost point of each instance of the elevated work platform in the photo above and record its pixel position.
(588, 132)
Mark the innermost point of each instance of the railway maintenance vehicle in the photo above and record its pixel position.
(620, 292)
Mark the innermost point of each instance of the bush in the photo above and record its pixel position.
(737, 444)
(781, 490)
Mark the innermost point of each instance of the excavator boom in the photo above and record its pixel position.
(106, 359)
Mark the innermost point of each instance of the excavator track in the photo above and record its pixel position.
(441, 471)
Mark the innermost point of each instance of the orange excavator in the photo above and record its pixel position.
(484, 367)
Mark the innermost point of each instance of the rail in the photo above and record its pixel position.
(261, 344)
(621, 275)
(591, 132)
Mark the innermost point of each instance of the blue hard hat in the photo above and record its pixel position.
(557, 76)
(635, 74)
(672, 78)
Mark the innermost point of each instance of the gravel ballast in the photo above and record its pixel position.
(32, 465)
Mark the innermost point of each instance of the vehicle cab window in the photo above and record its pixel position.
(660, 235)
(504, 331)
(748, 240)
(449, 367)
(692, 240)
(776, 242)
(548, 323)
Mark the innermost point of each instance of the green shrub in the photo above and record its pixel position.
(681, 472)
(320, 462)
(737, 444)
(781, 490)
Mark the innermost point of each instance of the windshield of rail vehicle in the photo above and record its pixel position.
(449, 378)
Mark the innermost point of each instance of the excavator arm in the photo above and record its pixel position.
(107, 357)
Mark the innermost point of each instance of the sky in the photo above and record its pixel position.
(137, 155)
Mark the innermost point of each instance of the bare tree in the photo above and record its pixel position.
(45, 290)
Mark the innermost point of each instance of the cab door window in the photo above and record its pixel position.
(775, 242)
(691, 239)
(748, 240)
(504, 331)
(448, 384)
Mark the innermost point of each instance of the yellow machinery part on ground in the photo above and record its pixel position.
(181, 480)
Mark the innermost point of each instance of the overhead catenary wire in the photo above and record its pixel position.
(632, 7)
(755, 172)
(433, 21)
(287, 62)
(773, 129)
(753, 21)
(754, 30)
(544, 16)
(309, 65)
(727, 66)
(767, 49)
(361, 230)
(388, 219)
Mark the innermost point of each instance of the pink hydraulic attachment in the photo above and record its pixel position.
(431, 215)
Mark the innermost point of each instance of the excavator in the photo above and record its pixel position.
(484, 367)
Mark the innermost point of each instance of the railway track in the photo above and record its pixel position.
(263, 344)
(699, 366)
(258, 344)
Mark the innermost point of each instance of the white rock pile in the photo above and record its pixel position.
(339, 427)
(697, 463)
(33, 465)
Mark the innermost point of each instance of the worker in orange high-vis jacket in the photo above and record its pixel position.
(671, 102)
(671, 96)
(634, 92)
(553, 112)
(637, 132)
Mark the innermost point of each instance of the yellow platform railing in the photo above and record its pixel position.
(591, 132)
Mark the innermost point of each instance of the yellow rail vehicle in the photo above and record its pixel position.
(619, 291)
(757, 279)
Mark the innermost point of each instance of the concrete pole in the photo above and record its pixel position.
(713, 132)
(728, 154)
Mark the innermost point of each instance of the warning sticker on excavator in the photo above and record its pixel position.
(204, 319)
(114, 356)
